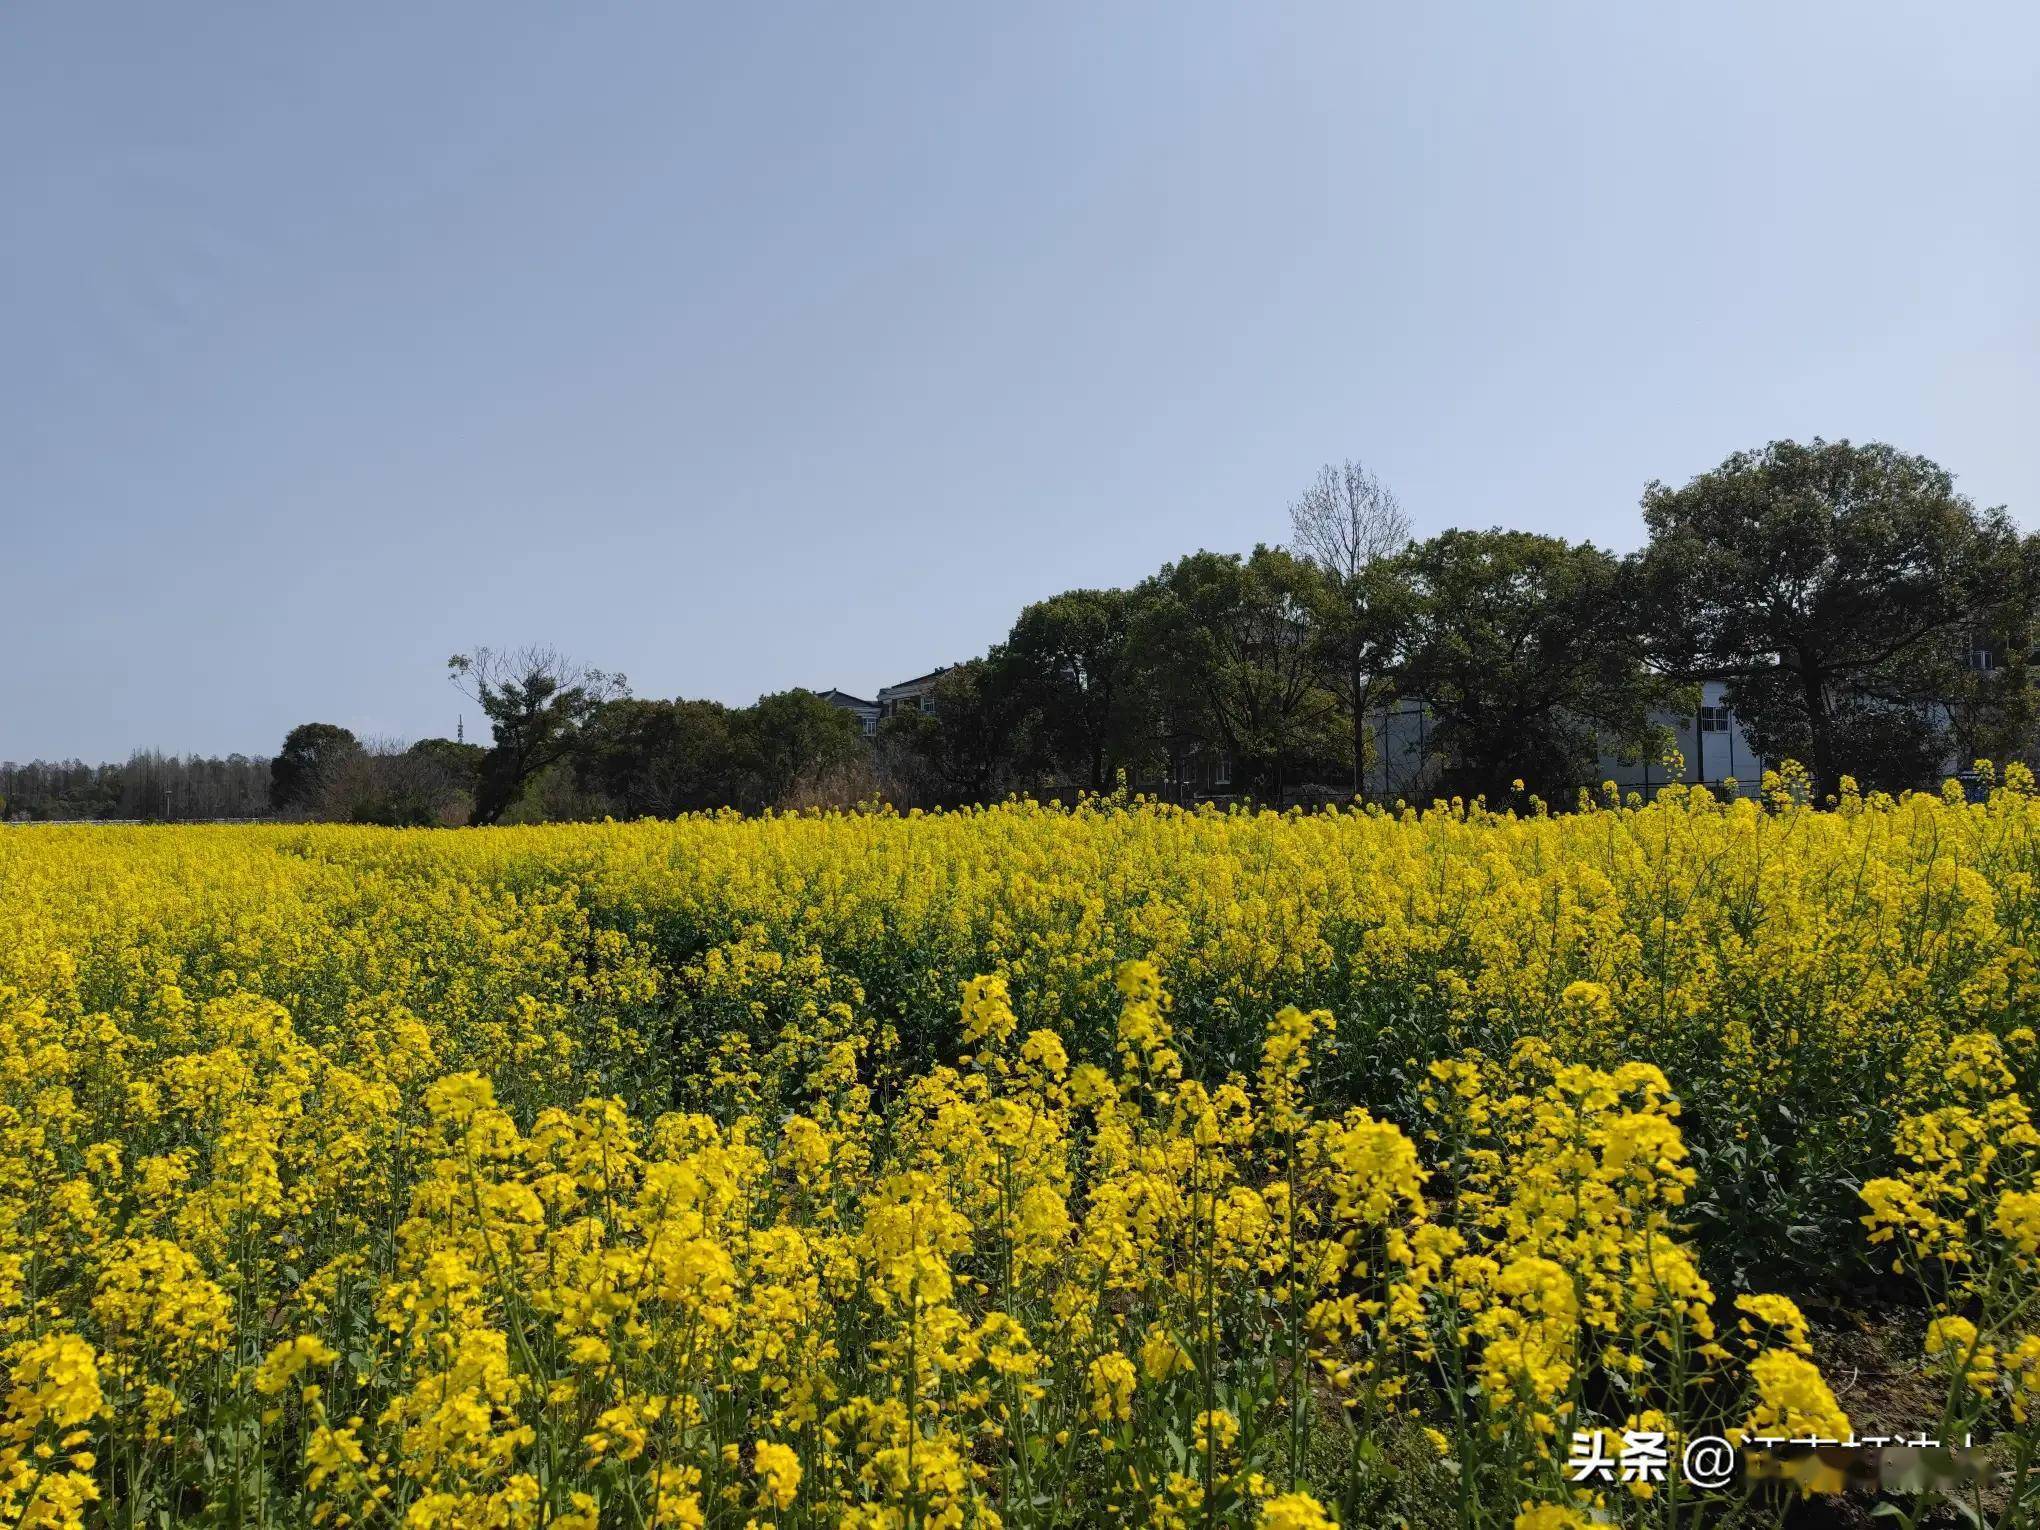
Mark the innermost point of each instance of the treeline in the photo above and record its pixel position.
(572, 743)
(1862, 617)
(149, 786)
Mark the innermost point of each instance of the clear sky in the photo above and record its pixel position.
(752, 346)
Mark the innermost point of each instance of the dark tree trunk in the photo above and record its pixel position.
(1820, 730)
(1359, 733)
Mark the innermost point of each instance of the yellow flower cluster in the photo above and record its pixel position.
(1962, 1215)
(1019, 1166)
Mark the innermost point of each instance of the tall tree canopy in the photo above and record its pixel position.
(657, 759)
(1227, 647)
(311, 755)
(1840, 590)
(1521, 647)
(1069, 667)
(793, 736)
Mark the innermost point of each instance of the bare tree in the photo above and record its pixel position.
(386, 781)
(150, 785)
(1350, 527)
(1347, 521)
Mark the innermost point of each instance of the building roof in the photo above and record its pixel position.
(935, 673)
(843, 698)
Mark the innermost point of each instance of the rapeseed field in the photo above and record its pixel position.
(1024, 1166)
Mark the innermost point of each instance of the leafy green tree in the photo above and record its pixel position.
(1521, 646)
(311, 755)
(794, 736)
(1993, 709)
(459, 761)
(1839, 590)
(445, 777)
(1068, 669)
(1228, 651)
(537, 702)
(958, 750)
(658, 759)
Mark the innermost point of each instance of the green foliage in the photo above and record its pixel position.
(311, 754)
(656, 759)
(1522, 646)
(1226, 647)
(960, 749)
(462, 762)
(1839, 589)
(1069, 667)
(793, 736)
(1350, 528)
(1358, 621)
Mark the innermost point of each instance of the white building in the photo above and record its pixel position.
(1710, 739)
(915, 695)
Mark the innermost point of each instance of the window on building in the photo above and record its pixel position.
(1714, 719)
(1222, 776)
(1982, 658)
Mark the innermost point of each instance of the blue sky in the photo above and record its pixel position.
(756, 346)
